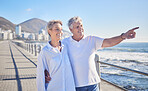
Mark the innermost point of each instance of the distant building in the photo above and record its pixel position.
(46, 37)
(40, 37)
(42, 31)
(31, 36)
(25, 35)
(5, 36)
(0, 30)
(36, 36)
(9, 31)
(1, 35)
(18, 30)
(10, 36)
(14, 37)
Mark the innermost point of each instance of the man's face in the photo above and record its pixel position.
(77, 30)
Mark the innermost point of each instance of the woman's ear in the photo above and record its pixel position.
(49, 31)
(70, 29)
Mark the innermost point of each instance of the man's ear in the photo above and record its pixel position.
(70, 29)
(49, 31)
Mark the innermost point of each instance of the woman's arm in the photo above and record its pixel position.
(40, 73)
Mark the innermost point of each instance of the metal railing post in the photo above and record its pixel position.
(32, 48)
(97, 59)
(35, 50)
(38, 49)
(29, 47)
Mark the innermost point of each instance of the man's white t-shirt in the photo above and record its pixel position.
(82, 56)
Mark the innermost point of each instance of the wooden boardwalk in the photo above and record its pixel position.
(18, 70)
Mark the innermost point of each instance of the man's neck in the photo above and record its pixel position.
(77, 38)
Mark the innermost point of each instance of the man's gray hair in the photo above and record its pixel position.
(72, 20)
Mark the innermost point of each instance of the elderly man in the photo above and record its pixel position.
(81, 51)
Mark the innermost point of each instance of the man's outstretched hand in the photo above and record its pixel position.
(47, 76)
(130, 34)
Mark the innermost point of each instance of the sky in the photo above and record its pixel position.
(102, 18)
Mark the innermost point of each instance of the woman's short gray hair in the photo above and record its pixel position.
(72, 20)
(51, 23)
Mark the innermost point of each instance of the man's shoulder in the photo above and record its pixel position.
(90, 37)
(66, 39)
(93, 37)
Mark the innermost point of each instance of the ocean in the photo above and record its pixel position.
(129, 55)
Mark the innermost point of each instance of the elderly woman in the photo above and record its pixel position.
(55, 60)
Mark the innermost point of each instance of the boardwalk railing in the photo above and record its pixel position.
(123, 68)
(98, 62)
(32, 48)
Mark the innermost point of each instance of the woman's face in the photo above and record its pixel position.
(56, 32)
